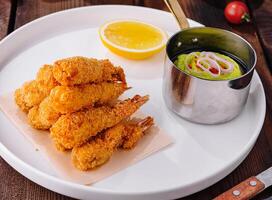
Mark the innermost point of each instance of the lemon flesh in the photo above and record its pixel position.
(133, 39)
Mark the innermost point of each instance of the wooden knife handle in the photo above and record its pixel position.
(243, 191)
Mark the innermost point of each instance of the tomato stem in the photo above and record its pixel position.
(246, 17)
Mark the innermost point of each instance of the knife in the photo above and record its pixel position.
(248, 188)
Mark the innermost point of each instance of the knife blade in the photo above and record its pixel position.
(269, 198)
(249, 187)
(266, 177)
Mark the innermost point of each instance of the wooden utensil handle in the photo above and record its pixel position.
(178, 13)
(243, 191)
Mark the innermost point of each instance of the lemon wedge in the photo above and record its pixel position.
(132, 39)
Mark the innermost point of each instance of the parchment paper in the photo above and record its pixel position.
(154, 141)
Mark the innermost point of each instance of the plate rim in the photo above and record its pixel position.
(5, 153)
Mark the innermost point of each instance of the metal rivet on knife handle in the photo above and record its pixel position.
(253, 183)
(236, 193)
(245, 190)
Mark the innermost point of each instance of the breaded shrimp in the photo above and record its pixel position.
(135, 131)
(82, 70)
(74, 129)
(43, 116)
(28, 95)
(67, 99)
(98, 151)
(33, 92)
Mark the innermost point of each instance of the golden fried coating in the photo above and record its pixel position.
(74, 129)
(33, 92)
(67, 99)
(99, 150)
(43, 116)
(28, 95)
(45, 77)
(82, 70)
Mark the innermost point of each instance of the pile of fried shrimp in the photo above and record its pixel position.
(76, 99)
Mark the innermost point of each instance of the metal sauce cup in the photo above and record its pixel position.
(200, 100)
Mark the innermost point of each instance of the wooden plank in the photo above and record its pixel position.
(15, 186)
(29, 10)
(5, 9)
(5, 13)
(262, 17)
(210, 13)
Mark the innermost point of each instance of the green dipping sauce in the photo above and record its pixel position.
(198, 72)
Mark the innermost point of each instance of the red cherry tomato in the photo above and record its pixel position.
(236, 12)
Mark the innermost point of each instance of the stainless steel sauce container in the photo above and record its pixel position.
(200, 100)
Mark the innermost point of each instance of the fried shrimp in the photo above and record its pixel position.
(76, 100)
(74, 129)
(28, 95)
(82, 70)
(67, 99)
(135, 131)
(43, 116)
(99, 150)
(33, 92)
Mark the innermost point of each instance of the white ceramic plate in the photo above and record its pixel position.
(200, 156)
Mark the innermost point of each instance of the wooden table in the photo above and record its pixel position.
(15, 13)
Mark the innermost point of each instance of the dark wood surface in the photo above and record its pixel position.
(28, 10)
(262, 15)
(5, 8)
(15, 13)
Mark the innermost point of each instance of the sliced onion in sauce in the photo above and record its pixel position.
(219, 60)
(211, 64)
(188, 59)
